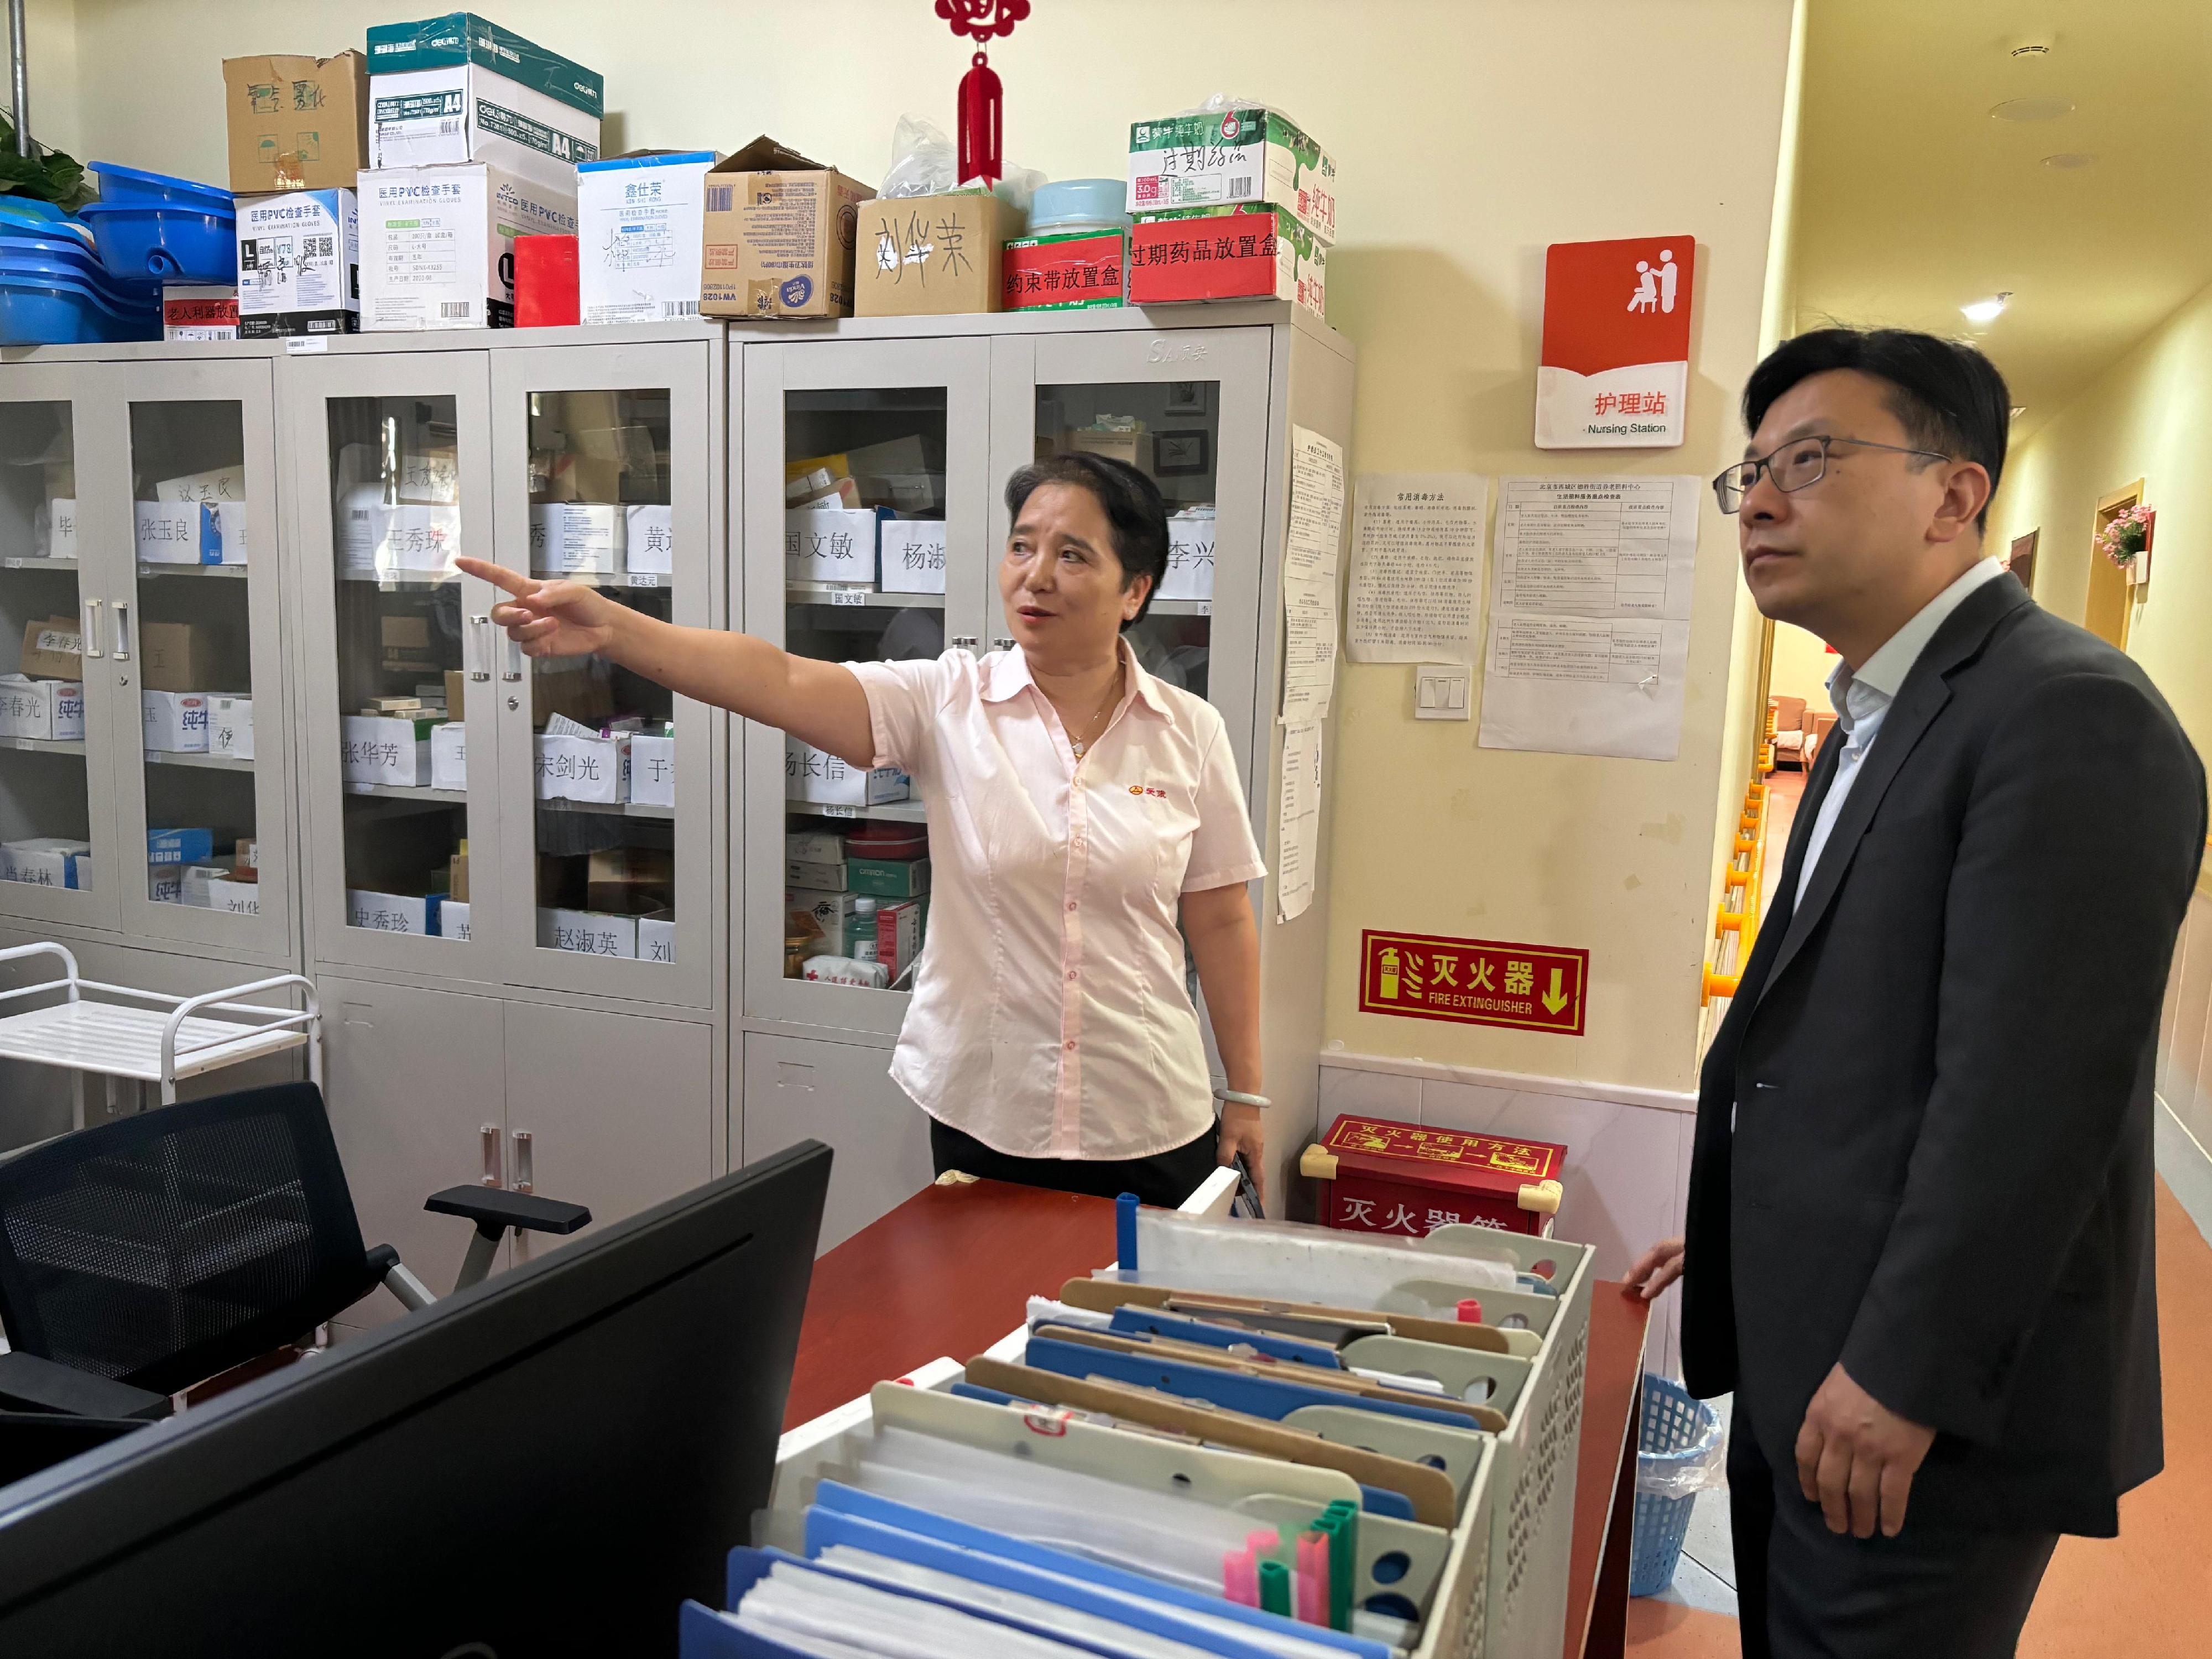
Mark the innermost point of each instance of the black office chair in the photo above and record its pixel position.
(148, 1254)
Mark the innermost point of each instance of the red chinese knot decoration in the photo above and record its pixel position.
(979, 124)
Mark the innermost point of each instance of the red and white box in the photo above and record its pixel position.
(1615, 368)
(1381, 1176)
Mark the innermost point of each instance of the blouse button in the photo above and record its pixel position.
(1071, 907)
(1071, 976)
(1069, 1045)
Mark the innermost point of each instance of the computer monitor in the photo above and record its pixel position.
(547, 1463)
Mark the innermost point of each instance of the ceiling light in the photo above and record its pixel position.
(2070, 161)
(1986, 311)
(2032, 109)
(2019, 409)
(2032, 51)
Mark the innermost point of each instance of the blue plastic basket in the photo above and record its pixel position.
(164, 243)
(1676, 1430)
(135, 187)
(37, 310)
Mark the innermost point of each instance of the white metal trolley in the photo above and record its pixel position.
(151, 1036)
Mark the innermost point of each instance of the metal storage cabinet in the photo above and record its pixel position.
(1203, 397)
(96, 438)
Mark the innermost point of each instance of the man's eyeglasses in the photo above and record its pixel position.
(1799, 462)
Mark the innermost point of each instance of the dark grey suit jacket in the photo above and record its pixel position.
(1941, 1072)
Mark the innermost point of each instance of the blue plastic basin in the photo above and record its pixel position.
(167, 244)
(134, 187)
(37, 310)
(62, 260)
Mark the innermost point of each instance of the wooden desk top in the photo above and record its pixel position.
(1613, 1376)
(948, 1272)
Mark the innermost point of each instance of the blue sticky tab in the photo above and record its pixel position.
(1125, 1232)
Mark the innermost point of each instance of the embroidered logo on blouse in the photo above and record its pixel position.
(1139, 789)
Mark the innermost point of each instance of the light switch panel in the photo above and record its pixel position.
(1440, 691)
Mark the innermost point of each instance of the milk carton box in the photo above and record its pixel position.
(230, 726)
(175, 722)
(52, 710)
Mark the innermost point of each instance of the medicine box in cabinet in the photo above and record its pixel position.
(800, 873)
(53, 529)
(449, 756)
(595, 770)
(46, 861)
(53, 649)
(458, 88)
(831, 544)
(651, 541)
(384, 749)
(237, 898)
(814, 847)
(49, 709)
(393, 912)
(1189, 574)
(818, 776)
(884, 878)
(912, 555)
(589, 932)
(652, 771)
(180, 657)
(179, 846)
(410, 538)
(437, 243)
(165, 884)
(656, 939)
(453, 920)
(175, 722)
(572, 538)
(832, 912)
(176, 532)
(639, 228)
(230, 727)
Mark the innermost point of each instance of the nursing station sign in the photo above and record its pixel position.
(1615, 371)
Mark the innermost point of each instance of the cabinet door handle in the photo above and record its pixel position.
(1002, 642)
(122, 608)
(968, 641)
(89, 637)
(514, 670)
(525, 1177)
(490, 1135)
(478, 625)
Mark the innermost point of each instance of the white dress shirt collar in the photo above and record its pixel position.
(1883, 674)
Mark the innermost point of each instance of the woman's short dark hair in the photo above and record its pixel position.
(1131, 501)
(1945, 394)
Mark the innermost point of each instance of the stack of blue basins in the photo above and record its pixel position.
(55, 289)
(149, 227)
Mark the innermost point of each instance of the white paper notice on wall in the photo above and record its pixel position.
(1312, 554)
(1299, 824)
(1416, 592)
(1589, 616)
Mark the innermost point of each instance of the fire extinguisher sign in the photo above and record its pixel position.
(1474, 981)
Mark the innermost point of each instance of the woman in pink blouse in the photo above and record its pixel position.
(1079, 810)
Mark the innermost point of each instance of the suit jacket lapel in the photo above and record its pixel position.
(1919, 699)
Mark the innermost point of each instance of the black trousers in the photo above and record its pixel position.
(1803, 1592)
(1164, 1179)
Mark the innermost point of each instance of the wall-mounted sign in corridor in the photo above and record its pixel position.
(1615, 371)
(1474, 981)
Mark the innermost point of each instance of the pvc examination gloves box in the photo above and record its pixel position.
(437, 243)
(458, 88)
(641, 221)
(299, 265)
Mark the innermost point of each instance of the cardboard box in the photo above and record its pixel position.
(1379, 1177)
(812, 775)
(887, 877)
(178, 657)
(230, 726)
(588, 931)
(175, 722)
(457, 873)
(572, 538)
(1074, 272)
(630, 881)
(199, 310)
(54, 528)
(296, 123)
(1189, 574)
(454, 918)
(641, 221)
(449, 756)
(437, 244)
(656, 938)
(53, 649)
(458, 88)
(583, 768)
(52, 710)
(1226, 158)
(912, 556)
(801, 872)
(831, 544)
(649, 544)
(778, 236)
(652, 771)
(830, 912)
(1131, 448)
(815, 846)
(932, 256)
(457, 692)
(393, 912)
(46, 861)
(578, 687)
(1227, 253)
(179, 846)
(384, 749)
(299, 265)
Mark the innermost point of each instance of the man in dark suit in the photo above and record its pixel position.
(1919, 1245)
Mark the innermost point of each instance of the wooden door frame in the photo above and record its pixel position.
(2108, 505)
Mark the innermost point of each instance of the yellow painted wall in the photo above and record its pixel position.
(1469, 134)
(1801, 666)
(2145, 417)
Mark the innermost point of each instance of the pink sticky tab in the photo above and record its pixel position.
(1470, 1312)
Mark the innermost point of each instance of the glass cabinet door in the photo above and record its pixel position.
(56, 785)
(607, 477)
(1189, 408)
(204, 787)
(394, 484)
(867, 503)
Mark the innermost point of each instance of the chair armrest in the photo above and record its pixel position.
(493, 1208)
(28, 1382)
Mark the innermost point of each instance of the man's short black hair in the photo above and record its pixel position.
(1945, 394)
(1131, 501)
